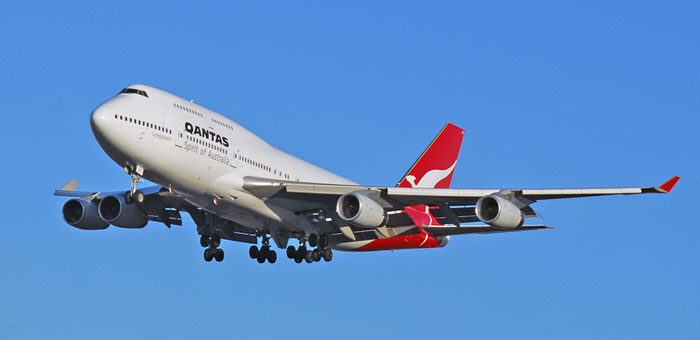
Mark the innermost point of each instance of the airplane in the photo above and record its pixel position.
(235, 186)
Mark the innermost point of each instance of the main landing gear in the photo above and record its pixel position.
(134, 195)
(264, 253)
(213, 251)
(315, 255)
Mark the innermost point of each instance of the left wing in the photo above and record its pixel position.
(158, 207)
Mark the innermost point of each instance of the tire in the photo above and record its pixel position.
(204, 241)
(208, 256)
(272, 256)
(327, 255)
(309, 256)
(260, 258)
(316, 254)
(253, 252)
(128, 198)
(290, 252)
(219, 255)
(313, 240)
(139, 197)
(298, 259)
(323, 241)
(215, 241)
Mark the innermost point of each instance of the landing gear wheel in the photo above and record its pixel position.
(290, 252)
(316, 254)
(215, 241)
(219, 255)
(271, 256)
(323, 241)
(327, 254)
(208, 254)
(309, 256)
(313, 240)
(263, 253)
(128, 198)
(138, 197)
(253, 252)
(204, 241)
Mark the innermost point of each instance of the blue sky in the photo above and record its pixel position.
(552, 94)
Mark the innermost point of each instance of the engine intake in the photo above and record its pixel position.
(360, 210)
(83, 214)
(115, 211)
(499, 212)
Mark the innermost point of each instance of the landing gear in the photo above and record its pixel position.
(299, 254)
(323, 241)
(219, 254)
(327, 255)
(208, 254)
(313, 240)
(134, 195)
(215, 241)
(302, 254)
(204, 241)
(264, 253)
(213, 251)
(137, 197)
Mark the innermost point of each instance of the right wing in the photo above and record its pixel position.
(302, 195)
(450, 206)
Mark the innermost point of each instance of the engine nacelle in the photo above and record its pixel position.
(443, 240)
(499, 212)
(360, 210)
(115, 211)
(83, 214)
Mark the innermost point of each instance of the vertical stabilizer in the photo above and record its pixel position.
(434, 168)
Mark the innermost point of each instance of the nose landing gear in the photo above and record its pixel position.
(134, 195)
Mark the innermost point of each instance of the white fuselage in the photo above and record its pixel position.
(200, 155)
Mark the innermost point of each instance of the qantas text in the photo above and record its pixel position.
(196, 130)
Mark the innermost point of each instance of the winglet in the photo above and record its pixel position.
(666, 187)
(72, 185)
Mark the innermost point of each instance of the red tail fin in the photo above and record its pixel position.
(436, 165)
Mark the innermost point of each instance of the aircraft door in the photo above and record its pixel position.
(179, 134)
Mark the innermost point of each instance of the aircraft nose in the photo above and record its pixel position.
(99, 122)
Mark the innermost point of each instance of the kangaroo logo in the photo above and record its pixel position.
(431, 178)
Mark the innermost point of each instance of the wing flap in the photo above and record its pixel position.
(476, 229)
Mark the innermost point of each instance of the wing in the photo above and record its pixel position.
(163, 205)
(158, 207)
(454, 206)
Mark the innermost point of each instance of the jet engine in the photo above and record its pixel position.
(115, 211)
(360, 210)
(83, 214)
(499, 212)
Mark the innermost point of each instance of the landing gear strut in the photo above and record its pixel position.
(134, 195)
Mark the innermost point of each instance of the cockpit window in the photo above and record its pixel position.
(141, 92)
